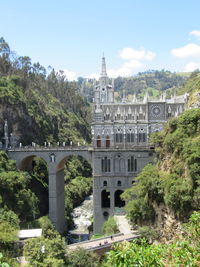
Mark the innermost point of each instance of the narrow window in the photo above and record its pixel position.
(119, 183)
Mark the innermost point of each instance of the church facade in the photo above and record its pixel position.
(120, 136)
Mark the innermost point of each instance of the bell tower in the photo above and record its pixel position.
(104, 92)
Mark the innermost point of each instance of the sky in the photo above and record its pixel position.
(135, 36)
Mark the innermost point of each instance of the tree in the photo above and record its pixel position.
(45, 252)
(110, 226)
(82, 258)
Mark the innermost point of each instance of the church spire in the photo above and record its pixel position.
(103, 67)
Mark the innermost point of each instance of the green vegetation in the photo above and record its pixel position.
(184, 251)
(82, 258)
(110, 226)
(175, 180)
(45, 252)
(39, 106)
(153, 81)
(78, 185)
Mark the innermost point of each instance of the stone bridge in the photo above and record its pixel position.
(55, 157)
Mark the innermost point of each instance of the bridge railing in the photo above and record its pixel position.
(49, 148)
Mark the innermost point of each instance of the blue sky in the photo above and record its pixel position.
(134, 35)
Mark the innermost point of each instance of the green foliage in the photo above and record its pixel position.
(148, 232)
(78, 184)
(96, 236)
(110, 226)
(152, 81)
(193, 227)
(178, 184)
(45, 252)
(136, 253)
(2, 262)
(8, 233)
(10, 217)
(42, 107)
(14, 191)
(75, 192)
(82, 258)
(140, 197)
(182, 252)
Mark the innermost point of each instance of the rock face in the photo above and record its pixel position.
(166, 223)
(19, 122)
(82, 215)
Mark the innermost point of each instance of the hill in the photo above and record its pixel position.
(40, 105)
(170, 190)
(153, 81)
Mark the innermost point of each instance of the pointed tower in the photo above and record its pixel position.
(104, 92)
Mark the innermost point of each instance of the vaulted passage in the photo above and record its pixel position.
(118, 201)
(105, 199)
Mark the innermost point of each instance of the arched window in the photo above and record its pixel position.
(130, 137)
(118, 137)
(107, 117)
(98, 141)
(132, 164)
(142, 137)
(118, 201)
(119, 183)
(107, 141)
(105, 199)
(105, 183)
(105, 164)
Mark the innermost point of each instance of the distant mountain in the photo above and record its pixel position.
(152, 81)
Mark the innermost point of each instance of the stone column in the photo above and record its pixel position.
(56, 198)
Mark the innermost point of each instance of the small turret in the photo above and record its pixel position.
(6, 137)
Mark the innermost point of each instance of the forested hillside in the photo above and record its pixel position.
(174, 182)
(40, 105)
(154, 82)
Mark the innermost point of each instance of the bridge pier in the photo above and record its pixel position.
(57, 199)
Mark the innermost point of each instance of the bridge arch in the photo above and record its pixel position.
(55, 159)
(25, 163)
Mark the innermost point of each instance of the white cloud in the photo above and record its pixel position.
(133, 62)
(195, 33)
(70, 75)
(140, 54)
(191, 66)
(126, 69)
(93, 76)
(189, 50)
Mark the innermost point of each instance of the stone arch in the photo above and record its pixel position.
(25, 164)
(118, 201)
(105, 199)
(63, 159)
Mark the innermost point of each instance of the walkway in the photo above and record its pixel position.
(102, 245)
(123, 224)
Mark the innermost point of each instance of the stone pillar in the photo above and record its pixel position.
(112, 201)
(56, 198)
